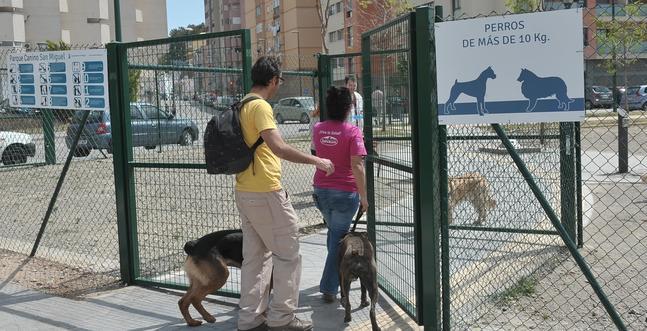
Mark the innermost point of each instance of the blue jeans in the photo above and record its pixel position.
(338, 209)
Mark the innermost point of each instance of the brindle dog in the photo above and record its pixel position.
(357, 260)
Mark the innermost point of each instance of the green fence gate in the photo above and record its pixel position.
(159, 90)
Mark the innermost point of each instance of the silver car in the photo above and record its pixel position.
(294, 109)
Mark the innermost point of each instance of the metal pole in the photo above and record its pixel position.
(59, 184)
(623, 131)
(117, 21)
(568, 240)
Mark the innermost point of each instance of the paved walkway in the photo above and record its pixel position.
(137, 308)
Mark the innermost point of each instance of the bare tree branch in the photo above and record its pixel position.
(324, 16)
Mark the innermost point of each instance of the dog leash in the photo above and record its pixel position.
(359, 215)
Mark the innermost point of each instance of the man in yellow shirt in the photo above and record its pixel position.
(269, 223)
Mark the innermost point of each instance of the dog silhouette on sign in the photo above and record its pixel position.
(534, 87)
(475, 88)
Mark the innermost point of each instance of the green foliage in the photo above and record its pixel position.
(133, 84)
(624, 36)
(178, 52)
(525, 287)
(523, 6)
(57, 46)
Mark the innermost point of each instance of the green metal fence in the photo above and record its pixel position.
(81, 233)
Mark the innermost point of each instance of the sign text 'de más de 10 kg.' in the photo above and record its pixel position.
(511, 69)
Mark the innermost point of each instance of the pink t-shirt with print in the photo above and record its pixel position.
(337, 141)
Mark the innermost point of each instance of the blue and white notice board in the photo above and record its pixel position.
(59, 79)
(511, 69)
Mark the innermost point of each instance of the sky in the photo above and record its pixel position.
(184, 12)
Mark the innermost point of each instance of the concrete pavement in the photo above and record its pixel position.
(137, 308)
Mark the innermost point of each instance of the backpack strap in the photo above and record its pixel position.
(260, 140)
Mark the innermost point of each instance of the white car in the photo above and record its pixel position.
(15, 147)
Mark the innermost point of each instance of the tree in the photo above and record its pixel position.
(625, 37)
(57, 46)
(324, 15)
(523, 6)
(178, 52)
(378, 12)
(133, 84)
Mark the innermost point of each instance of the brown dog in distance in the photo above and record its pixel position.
(206, 268)
(474, 188)
(357, 260)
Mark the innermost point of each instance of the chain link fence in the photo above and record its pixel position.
(34, 143)
(514, 272)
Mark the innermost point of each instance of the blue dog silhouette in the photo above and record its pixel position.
(534, 87)
(475, 88)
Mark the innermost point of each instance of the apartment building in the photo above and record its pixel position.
(288, 28)
(79, 21)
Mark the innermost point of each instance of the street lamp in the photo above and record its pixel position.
(299, 59)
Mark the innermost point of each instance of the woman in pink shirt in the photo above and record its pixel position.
(339, 194)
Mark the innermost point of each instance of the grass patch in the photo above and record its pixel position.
(526, 286)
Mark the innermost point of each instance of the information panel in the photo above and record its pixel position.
(75, 79)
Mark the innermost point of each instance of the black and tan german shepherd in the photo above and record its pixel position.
(206, 267)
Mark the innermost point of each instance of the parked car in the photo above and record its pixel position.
(294, 109)
(150, 127)
(16, 147)
(598, 96)
(635, 98)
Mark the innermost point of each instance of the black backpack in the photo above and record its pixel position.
(225, 150)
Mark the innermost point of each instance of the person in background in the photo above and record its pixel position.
(314, 119)
(338, 195)
(356, 115)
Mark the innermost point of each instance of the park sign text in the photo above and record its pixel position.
(59, 79)
(511, 69)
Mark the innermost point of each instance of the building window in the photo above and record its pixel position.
(62, 6)
(338, 7)
(225, 8)
(258, 10)
(66, 36)
(139, 16)
(349, 14)
(349, 36)
(331, 36)
(456, 4)
(340, 34)
(259, 27)
(236, 20)
(349, 5)
(276, 3)
(351, 69)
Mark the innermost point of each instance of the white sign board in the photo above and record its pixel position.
(59, 80)
(511, 69)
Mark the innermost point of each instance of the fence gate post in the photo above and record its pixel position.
(426, 168)
(567, 177)
(324, 76)
(119, 103)
(50, 138)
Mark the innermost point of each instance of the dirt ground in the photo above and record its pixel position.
(52, 277)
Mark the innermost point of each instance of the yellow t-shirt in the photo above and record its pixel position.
(264, 174)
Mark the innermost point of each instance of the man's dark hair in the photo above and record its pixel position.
(350, 78)
(265, 69)
(338, 101)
